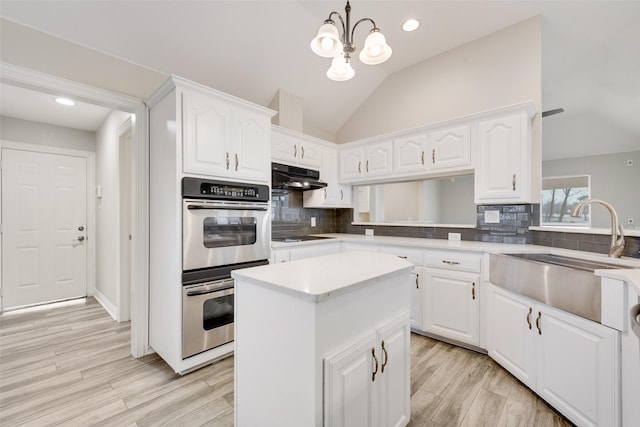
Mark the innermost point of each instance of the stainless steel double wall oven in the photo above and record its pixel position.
(226, 226)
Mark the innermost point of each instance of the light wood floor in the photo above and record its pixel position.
(70, 365)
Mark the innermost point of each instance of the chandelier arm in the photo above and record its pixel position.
(361, 20)
(344, 30)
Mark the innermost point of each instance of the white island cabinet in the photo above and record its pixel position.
(323, 341)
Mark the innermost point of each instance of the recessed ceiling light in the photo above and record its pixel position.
(65, 101)
(411, 24)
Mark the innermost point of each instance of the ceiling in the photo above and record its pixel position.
(251, 49)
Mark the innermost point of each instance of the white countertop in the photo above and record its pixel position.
(629, 267)
(320, 278)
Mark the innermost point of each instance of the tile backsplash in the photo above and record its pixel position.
(290, 218)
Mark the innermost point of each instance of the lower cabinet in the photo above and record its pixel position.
(367, 382)
(570, 362)
(451, 304)
(299, 252)
(417, 299)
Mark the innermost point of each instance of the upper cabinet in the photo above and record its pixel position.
(442, 149)
(334, 195)
(366, 161)
(295, 149)
(224, 138)
(504, 157)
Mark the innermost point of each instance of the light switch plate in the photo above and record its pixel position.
(313, 221)
(492, 217)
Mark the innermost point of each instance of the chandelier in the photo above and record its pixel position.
(329, 44)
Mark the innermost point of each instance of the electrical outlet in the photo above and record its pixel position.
(455, 237)
(630, 221)
(368, 232)
(313, 221)
(492, 217)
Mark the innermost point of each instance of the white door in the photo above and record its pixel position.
(44, 222)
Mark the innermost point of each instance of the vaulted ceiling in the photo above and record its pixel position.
(251, 49)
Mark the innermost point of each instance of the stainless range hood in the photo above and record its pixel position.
(287, 177)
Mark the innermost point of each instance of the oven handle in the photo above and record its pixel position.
(209, 288)
(228, 207)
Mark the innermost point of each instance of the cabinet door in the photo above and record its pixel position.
(284, 148)
(578, 363)
(251, 146)
(206, 133)
(451, 305)
(351, 164)
(409, 154)
(450, 148)
(502, 151)
(395, 383)
(328, 196)
(349, 397)
(310, 155)
(510, 341)
(417, 299)
(378, 159)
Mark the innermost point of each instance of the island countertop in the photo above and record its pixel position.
(324, 277)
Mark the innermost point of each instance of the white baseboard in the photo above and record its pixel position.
(106, 304)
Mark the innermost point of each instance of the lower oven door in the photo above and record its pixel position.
(207, 316)
(224, 233)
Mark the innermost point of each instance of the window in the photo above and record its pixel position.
(560, 195)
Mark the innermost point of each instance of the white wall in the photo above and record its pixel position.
(108, 208)
(611, 180)
(19, 130)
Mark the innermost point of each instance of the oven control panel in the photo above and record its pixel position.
(221, 190)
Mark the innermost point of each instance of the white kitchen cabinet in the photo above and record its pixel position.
(366, 161)
(449, 148)
(451, 305)
(571, 362)
(367, 383)
(223, 138)
(504, 158)
(409, 154)
(441, 149)
(334, 195)
(295, 149)
(414, 256)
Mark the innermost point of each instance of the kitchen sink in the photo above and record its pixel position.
(564, 261)
(562, 282)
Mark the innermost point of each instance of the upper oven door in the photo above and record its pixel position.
(223, 233)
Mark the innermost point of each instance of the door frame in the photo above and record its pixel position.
(30, 79)
(90, 158)
(125, 199)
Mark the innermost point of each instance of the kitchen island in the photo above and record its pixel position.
(314, 334)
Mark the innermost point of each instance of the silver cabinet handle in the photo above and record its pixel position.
(417, 281)
(80, 238)
(402, 257)
(367, 168)
(473, 291)
(302, 152)
(227, 160)
(295, 150)
(433, 156)
(325, 192)
(237, 161)
(422, 157)
(513, 182)
(538, 323)
(341, 194)
(359, 171)
(375, 370)
(529, 317)
(444, 261)
(385, 358)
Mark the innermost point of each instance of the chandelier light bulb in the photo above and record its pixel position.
(327, 42)
(376, 50)
(341, 69)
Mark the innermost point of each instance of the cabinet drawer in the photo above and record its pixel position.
(462, 261)
(412, 255)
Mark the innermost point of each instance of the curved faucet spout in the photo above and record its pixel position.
(617, 234)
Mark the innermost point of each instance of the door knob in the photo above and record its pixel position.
(81, 228)
(80, 238)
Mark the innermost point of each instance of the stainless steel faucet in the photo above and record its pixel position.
(617, 235)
